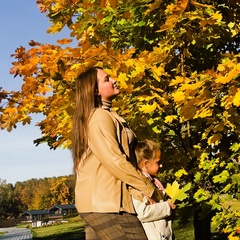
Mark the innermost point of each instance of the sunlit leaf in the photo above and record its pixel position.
(176, 193)
(236, 99)
(178, 96)
(64, 41)
(214, 139)
(222, 177)
(148, 108)
(170, 118)
(122, 77)
(181, 172)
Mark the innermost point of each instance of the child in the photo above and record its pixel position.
(155, 217)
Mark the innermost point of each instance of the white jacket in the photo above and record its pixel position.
(155, 218)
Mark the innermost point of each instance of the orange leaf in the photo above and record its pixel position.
(64, 41)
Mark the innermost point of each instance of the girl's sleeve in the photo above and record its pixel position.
(104, 144)
(149, 213)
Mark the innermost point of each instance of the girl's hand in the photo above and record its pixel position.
(151, 201)
(172, 205)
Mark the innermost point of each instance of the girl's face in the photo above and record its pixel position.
(107, 87)
(154, 165)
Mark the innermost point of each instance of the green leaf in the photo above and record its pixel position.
(235, 147)
(181, 172)
(201, 195)
(222, 177)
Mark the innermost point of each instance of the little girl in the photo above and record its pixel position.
(155, 217)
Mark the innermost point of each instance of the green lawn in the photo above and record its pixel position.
(185, 232)
(75, 230)
(65, 231)
(2, 233)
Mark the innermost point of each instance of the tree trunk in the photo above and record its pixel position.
(202, 227)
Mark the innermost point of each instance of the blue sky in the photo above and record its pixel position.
(20, 159)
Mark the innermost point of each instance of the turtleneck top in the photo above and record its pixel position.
(106, 104)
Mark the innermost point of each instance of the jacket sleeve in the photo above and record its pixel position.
(104, 144)
(149, 213)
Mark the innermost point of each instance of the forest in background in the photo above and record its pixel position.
(34, 194)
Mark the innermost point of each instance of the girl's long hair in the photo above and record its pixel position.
(86, 100)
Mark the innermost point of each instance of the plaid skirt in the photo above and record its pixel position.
(112, 226)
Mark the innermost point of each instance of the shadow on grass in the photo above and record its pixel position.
(64, 236)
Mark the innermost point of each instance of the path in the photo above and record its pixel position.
(16, 234)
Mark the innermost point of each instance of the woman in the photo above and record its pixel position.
(104, 162)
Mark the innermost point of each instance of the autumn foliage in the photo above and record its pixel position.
(177, 63)
(34, 194)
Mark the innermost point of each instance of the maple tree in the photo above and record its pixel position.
(177, 63)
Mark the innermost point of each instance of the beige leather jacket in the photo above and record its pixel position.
(103, 176)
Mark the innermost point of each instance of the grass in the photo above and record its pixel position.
(183, 232)
(65, 231)
(2, 233)
(72, 230)
(75, 230)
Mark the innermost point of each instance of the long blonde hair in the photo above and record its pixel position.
(86, 100)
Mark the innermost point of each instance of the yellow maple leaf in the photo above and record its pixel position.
(177, 80)
(214, 139)
(153, 6)
(8, 120)
(203, 112)
(57, 27)
(171, 20)
(191, 86)
(122, 77)
(229, 77)
(178, 96)
(170, 118)
(236, 99)
(41, 106)
(232, 237)
(169, 8)
(148, 108)
(176, 193)
(129, 62)
(217, 16)
(157, 72)
(221, 68)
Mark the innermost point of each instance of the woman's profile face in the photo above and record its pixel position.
(107, 87)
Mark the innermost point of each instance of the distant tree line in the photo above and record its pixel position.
(34, 194)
